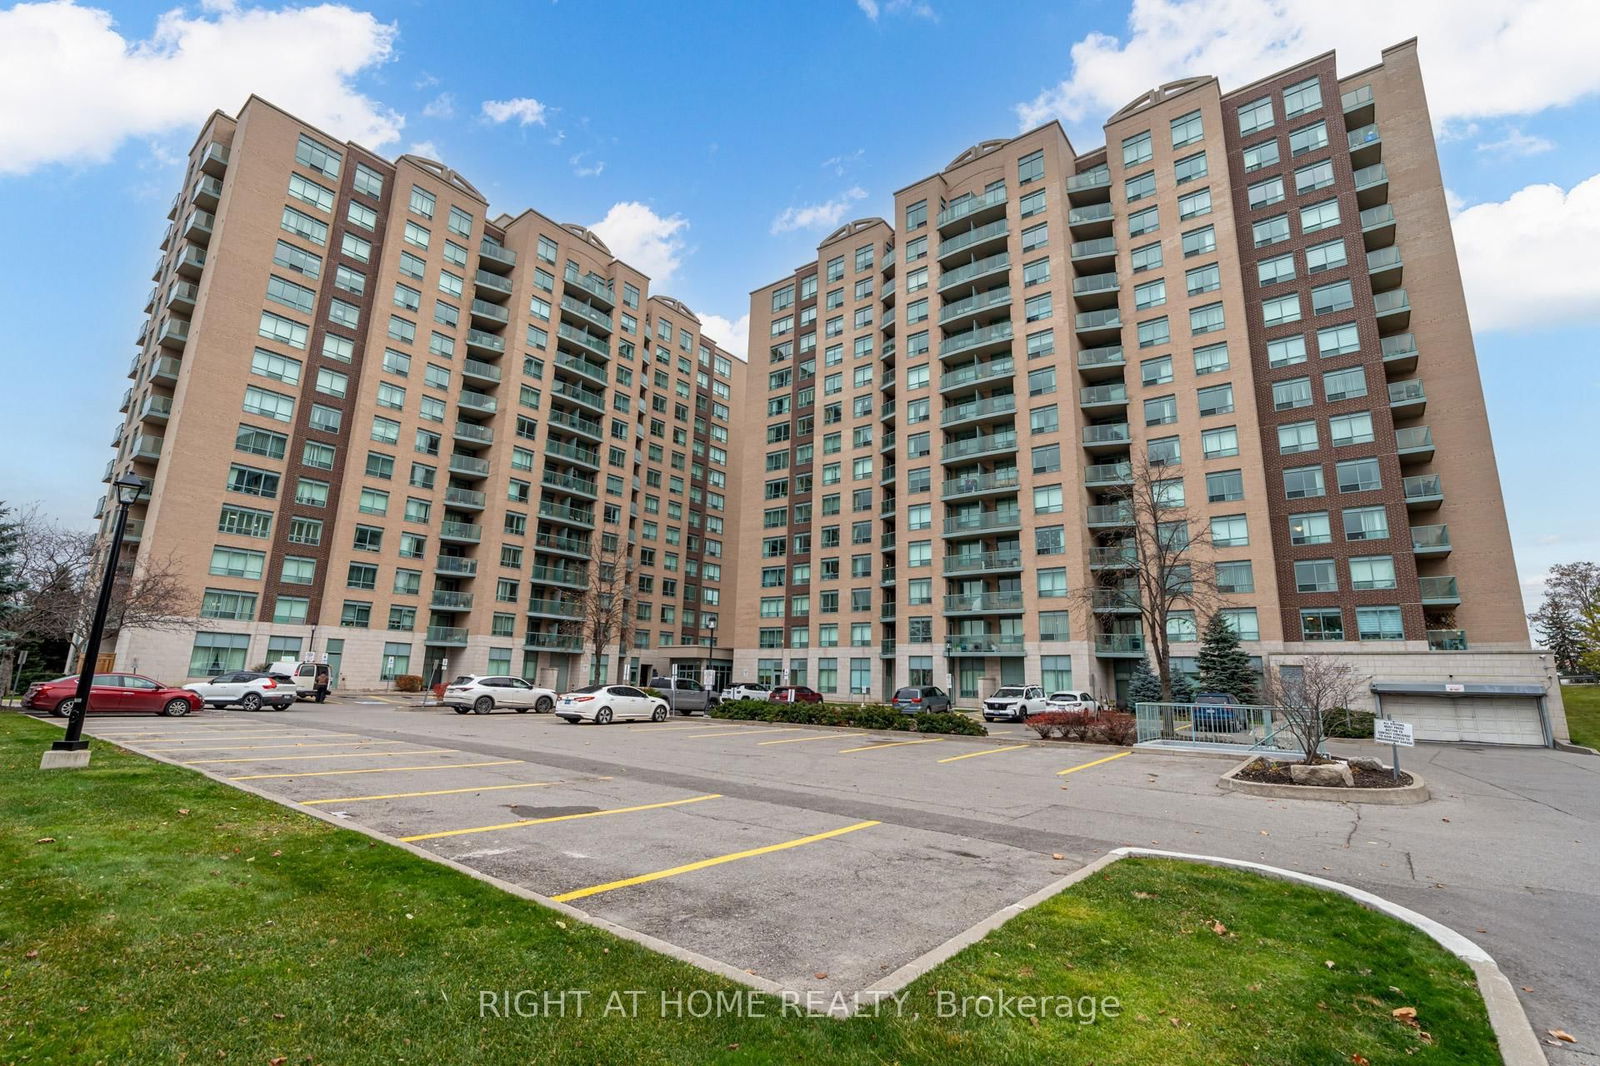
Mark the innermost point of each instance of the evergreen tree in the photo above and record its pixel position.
(1560, 629)
(1144, 686)
(1223, 664)
(1182, 689)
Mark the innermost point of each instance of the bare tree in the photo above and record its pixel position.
(1162, 557)
(606, 606)
(56, 574)
(1308, 694)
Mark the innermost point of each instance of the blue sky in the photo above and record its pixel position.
(715, 143)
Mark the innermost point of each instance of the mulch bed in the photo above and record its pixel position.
(1271, 772)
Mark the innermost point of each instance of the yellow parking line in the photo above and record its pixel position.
(558, 818)
(987, 751)
(341, 755)
(443, 792)
(1097, 762)
(567, 897)
(379, 770)
(735, 732)
(260, 747)
(153, 739)
(890, 744)
(656, 727)
(796, 740)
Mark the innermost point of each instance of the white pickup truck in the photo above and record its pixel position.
(1015, 702)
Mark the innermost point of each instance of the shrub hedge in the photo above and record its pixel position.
(408, 683)
(859, 715)
(1102, 727)
(1354, 725)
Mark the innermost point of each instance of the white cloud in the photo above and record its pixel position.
(525, 109)
(426, 149)
(869, 8)
(1454, 202)
(73, 89)
(818, 216)
(441, 106)
(1517, 143)
(644, 239)
(1544, 48)
(733, 335)
(580, 169)
(918, 8)
(841, 163)
(1529, 260)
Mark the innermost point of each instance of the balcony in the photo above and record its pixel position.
(1430, 540)
(174, 334)
(197, 227)
(473, 433)
(977, 374)
(1095, 291)
(1113, 557)
(1366, 145)
(1385, 269)
(974, 306)
(577, 547)
(1098, 326)
(1091, 220)
(593, 371)
(589, 457)
(165, 370)
(972, 273)
(127, 399)
(971, 485)
(974, 522)
(147, 447)
(1447, 640)
(206, 192)
(477, 370)
(886, 649)
(559, 512)
(448, 636)
(485, 344)
(1377, 226)
(1423, 492)
(1096, 398)
(1117, 600)
(1119, 645)
(984, 340)
(488, 315)
(598, 290)
(1100, 364)
(971, 242)
(983, 603)
(1393, 309)
(975, 210)
(1406, 398)
(155, 409)
(1372, 185)
(1100, 252)
(469, 465)
(1112, 436)
(445, 600)
(455, 566)
(576, 577)
(496, 257)
(1091, 186)
(586, 313)
(1439, 591)
(1400, 352)
(979, 445)
(461, 532)
(886, 576)
(491, 286)
(968, 644)
(1358, 107)
(478, 402)
(214, 159)
(464, 499)
(1109, 515)
(1003, 561)
(541, 608)
(1108, 475)
(1414, 444)
(577, 424)
(577, 394)
(191, 262)
(600, 346)
(577, 486)
(182, 296)
(978, 410)
(133, 532)
(568, 643)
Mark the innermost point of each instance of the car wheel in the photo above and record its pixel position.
(461, 710)
(251, 702)
(659, 714)
(176, 708)
(483, 705)
(544, 705)
(64, 708)
(602, 716)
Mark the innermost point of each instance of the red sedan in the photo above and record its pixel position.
(795, 694)
(132, 693)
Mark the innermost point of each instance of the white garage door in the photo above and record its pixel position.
(1483, 720)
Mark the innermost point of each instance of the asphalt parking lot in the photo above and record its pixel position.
(825, 859)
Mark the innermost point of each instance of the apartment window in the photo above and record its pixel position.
(1199, 241)
(1303, 483)
(1311, 527)
(1379, 623)
(1315, 575)
(1190, 168)
(1220, 443)
(1137, 149)
(1142, 222)
(1037, 308)
(1041, 344)
(1308, 139)
(1276, 271)
(1260, 155)
(1321, 623)
(1194, 205)
(315, 156)
(1164, 451)
(1359, 475)
(1035, 236)
(1046, 458)
(1224, 486)
(1338, 340)
(1297, 437)
(1319, 216)
(301, 262)
(1036, 272)
(1263, 193)
(1372, 572)
(1211, 359)
(1326, 256)
(1047, 499)
(1140, 186)
(1230, 531)
(1256, 115)
(1302, 97)
(305, 531)
(1206, 319)
(1327, 299)
(308, 191)
(1149, 295)
(1030, 205)
(304, 226)
(1270, 231)
(1345, 384)
(1154, 332)
(245, 522)
(1187, 129)
(1145, 258)
(298, 570)
(311, 492)
(1052, 583)
(1316, 176)
(237, 562)
(1351, 429)
(1201, 279)
(365, 217)
(1161, 411)
(1216, 399)
(267, 404)
(260, 442)
(1291, 393)
(1029, 168)
(1366, 523)
(1286, 351)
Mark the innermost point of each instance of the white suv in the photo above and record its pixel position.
(1015, 702)
(1073, 701)
(250, 689)
(480, 694)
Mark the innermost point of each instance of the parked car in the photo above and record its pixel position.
(481, 694)
(684, 696)
(604, 704)
(795, 694)
(250, 689)
(302, 675)
(1014, 702)
(1218, 712)
(914, 699)
(112, 693)
(747, 690)
(1072, 701)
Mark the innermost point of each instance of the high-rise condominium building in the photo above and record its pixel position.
(380, 425)
(1253, 293)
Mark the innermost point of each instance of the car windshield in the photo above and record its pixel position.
(590, 688)
(1011, 690)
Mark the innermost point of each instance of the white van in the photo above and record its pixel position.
(303, 675)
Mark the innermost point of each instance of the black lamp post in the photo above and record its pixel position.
(128, 488)
(711, 647)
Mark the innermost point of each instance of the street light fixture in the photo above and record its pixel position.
(711, 646)
(72, 749)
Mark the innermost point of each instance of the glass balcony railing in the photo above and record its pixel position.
(1119, 644)
(553, 543)
(445, 600)
(990, 405)
(998, 333)
(983, 644)
(559, 512)
(584, 339)
(1111, 433)
(555, 608)
(490, 311)
(973, 304)
(455, 636)
(1097, 178)
(597, 288)
(469, 464)
(1405, 392)
(1089, 214)
(479, 339)
(992, 370)
(1392, 302)
(1377, 217)
(1370, 177)
(1100, 475)
(1113, 556)
(470, 532)
(994, 481)
(567, 483)
(1439, 590)
(492, 282)
(1357, 98)
(1095, 249)
(1426, 539)
(982, 521)
(1107, 318)
(1103, 395)
(1423, 488)
(586, 312)
(968, 204)
(477, 401)
(975, 602)
(983, 562)
(1109, 514)
(570, 576)
(1362, 136)
(459, 497)
(975, 235)
(477, 434)
(477, 368)
(982, 444)
(1098, 358)
(496, 254)
(456, 566)
(1413, 439)
(592, 371)
(562, 642)
(577, 423)
(972, 271)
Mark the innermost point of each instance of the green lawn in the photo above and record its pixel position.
(173, 919)
(1583, 713)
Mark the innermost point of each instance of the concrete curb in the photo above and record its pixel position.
(1416, 792)
(1576, 749)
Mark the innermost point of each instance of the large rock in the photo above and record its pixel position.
(1364, 763)
(1331, 774)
